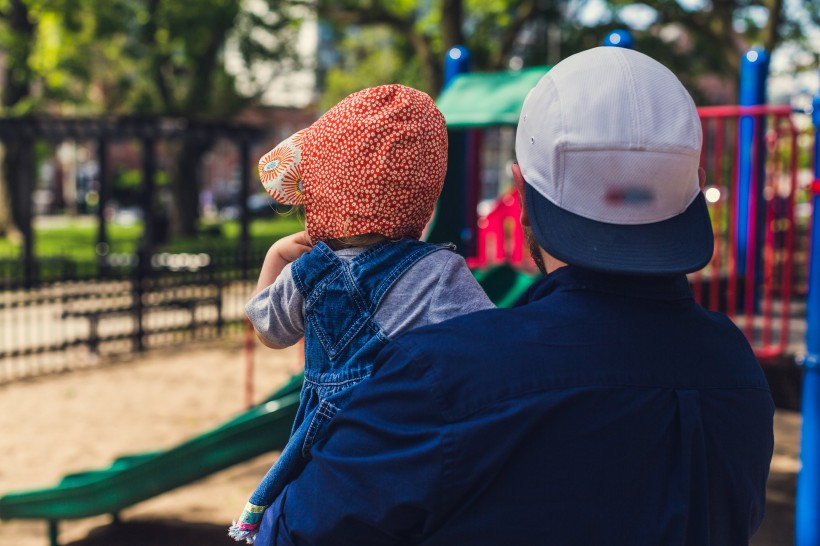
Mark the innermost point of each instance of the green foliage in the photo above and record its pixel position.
(694, 42)
(370, 59)
(127, 181)
(405, 42)
(708, 40)
(91, 57)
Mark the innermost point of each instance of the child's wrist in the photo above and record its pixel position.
(275, 253)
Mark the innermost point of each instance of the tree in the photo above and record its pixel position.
(179, 47)
(419, 33)
(708, 40)
(21, 33)
(150, 57)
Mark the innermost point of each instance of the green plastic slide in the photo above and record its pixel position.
(503, 283)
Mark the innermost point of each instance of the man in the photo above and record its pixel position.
(607, 408)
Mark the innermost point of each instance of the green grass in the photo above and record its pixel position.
(223, 237)
(76, 238)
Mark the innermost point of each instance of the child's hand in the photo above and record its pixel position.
(284, 251)
(291, 247)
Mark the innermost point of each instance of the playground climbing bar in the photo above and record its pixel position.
(754, 69)
(807, 511)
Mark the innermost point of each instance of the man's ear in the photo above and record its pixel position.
(701, 177)
(518, 179)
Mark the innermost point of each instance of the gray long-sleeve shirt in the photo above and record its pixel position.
(438, 287)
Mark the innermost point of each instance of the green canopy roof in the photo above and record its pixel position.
(483, 99)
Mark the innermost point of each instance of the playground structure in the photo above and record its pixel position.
(756, 290)
(756, 286)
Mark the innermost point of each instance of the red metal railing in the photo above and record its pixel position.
(757, 296)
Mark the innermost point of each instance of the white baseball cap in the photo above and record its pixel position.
(609, 146)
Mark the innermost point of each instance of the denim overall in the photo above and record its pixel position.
(341, 340)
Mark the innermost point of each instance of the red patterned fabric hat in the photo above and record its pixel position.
(374, 163)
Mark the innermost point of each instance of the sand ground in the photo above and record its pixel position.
(82, 420)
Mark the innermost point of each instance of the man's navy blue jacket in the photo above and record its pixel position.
(604, 410)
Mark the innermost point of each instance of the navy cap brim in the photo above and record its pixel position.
(681, 244)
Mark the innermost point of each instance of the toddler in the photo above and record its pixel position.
(368, 173)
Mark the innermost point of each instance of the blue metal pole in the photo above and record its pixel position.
(807, 511)
(754, 68)
(450, 223)
(457, 61)
(619, 38)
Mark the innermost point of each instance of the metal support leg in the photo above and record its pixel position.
(53, 533)
(219, 320)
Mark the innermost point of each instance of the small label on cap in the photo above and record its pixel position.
(617, 196)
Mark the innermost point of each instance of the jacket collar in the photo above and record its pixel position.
(668, 287)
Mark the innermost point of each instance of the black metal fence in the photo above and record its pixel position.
(73, 316)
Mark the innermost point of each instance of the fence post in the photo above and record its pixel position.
(248, 352)
(22, 170)
(102, 248)
(143, 267)
(807, 511)
(244, 194)
(754, 68)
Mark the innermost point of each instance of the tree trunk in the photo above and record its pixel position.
(18, 173)
(18, 177)
(186, 180)
(772, 32)
(16, 79)
(186, 186)
(452, 17)
(7, 225)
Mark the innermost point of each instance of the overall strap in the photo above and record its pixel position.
(375, 270)
(313, 270)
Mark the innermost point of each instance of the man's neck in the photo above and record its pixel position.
(551, 263)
